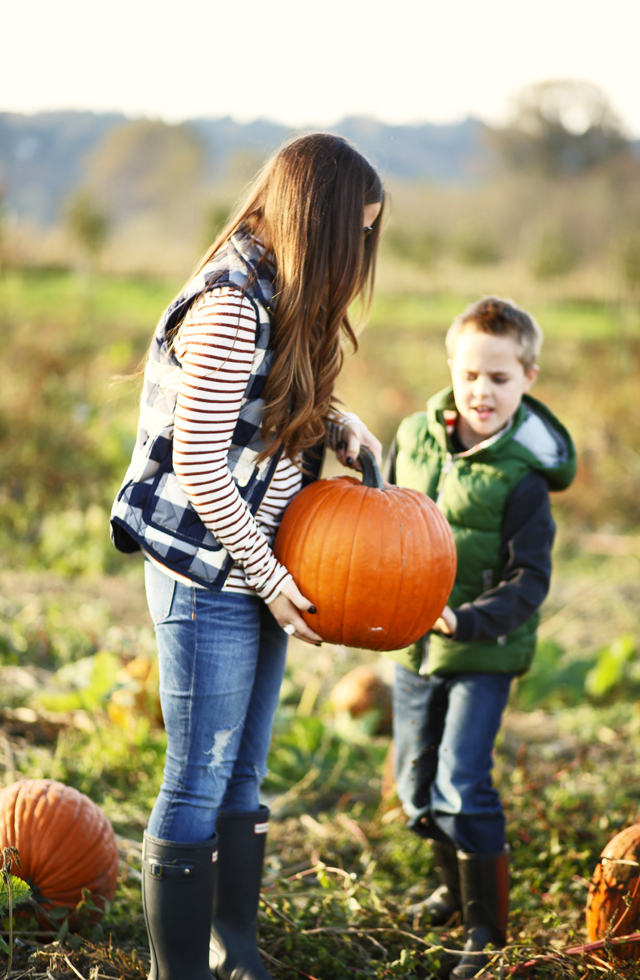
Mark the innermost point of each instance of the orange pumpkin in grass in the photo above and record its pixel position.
(377, 562)
(64, 841)
(617, 876)
(363, 690)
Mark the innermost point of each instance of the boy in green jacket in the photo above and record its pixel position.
(488, 454)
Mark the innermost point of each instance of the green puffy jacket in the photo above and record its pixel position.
(471, 489)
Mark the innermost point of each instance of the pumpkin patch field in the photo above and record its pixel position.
(78, 674)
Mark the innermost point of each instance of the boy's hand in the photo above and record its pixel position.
(447, 623)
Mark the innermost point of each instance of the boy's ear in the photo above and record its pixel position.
(531, 375)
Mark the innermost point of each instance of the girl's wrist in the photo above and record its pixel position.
(272, 588)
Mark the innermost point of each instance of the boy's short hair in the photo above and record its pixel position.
(500, 317)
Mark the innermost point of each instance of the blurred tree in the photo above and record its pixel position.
(423, 247)
(215, 218)
(244, 163)
(629, 260)
(554, 254)
(150, 166)
(564, 126)
(475, 246)
(1, 227)
(88, 223)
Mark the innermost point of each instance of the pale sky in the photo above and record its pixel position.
(306, 63)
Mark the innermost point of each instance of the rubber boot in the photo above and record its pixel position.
(234, 943)
(445, 901)
(177, 898)
(484, 885)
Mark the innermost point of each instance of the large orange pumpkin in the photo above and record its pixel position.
(617, 875)
(64, 841)
(377, 562)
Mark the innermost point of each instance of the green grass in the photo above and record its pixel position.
(341, 868)
(138, 301)
(562, 320)
(65, 440)
(123, 300)
(66, 432)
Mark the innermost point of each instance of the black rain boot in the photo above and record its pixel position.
(234, 944)
(445, 900)
(484, 884)
(177, 898)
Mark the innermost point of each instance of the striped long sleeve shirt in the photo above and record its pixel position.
(215, 347)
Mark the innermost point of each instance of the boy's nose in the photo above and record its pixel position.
(481, 386)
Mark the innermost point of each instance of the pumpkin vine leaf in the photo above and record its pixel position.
(9, 855)
(20, 892)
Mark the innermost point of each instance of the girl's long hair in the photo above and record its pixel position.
(306, 206)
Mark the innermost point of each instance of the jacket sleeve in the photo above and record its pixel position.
(527, 539)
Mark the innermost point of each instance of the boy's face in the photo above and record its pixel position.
(488, 383)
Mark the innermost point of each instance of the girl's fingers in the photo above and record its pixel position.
(293, 593)
(370, 441)
(285, 608)
(356, 436)
(302, 631)
(288, 617)
(352, 450)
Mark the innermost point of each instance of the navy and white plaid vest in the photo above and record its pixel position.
(152, 510)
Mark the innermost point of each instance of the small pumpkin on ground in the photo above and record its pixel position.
(363, 690)
(377, 562)
(617, 875)
(64, 841)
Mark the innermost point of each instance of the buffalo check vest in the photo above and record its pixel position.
(151, 510)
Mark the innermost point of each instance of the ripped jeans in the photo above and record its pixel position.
(221, 658)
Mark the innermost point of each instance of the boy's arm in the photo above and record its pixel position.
(527, 537)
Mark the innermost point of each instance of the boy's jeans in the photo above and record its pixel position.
(221, 658)
(444, 730)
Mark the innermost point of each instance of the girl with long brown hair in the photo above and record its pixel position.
(236, 410)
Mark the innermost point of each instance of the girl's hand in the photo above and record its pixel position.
(447, 623)
(285, 609)
(354, 435)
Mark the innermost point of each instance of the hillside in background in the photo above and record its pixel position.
(534, 204)
(454, 152)
(43, 156)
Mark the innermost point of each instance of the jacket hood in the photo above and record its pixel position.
(535, 435)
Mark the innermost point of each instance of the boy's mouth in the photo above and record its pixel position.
(483, 411)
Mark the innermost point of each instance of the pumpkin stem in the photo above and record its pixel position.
(371, 476)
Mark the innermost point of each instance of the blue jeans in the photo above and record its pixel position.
(221, 658)
(444, 730)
